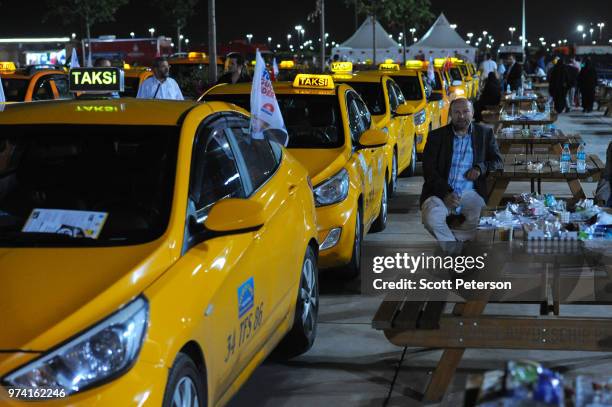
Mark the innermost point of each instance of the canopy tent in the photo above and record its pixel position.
(358, 48)
(441, 41)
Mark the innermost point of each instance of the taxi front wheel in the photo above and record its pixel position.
(185, 384)
(302, 335)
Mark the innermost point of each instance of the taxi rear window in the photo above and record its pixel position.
(312, 121)
(372, 94)
(126, 172)
(15, 89)
(410, 86)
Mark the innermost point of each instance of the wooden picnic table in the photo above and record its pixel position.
(554, 141)
(516, 169)
(428, 324)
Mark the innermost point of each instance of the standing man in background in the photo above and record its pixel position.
(160, 85)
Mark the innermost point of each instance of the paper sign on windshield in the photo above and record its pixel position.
(82, 224)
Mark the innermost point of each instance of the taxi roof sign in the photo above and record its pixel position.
(196, 55)
(389, 61)
(286, 64)
(306, 81)
(389, 67)
(7, 67)
(415, 64)
(96, 80)
(341, 67)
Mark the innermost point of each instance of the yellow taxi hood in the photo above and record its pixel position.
(417, 104)
(381, 120)
(50, 294)
(321, 163)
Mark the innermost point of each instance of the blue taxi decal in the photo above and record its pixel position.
(246, 297)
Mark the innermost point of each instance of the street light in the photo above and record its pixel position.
(249, 37)
(583, 37)
(152, 31)
(470, 35)
(580, 28)
(132, 34)
(484, 34)
(73, 36)
(591, 32)
(512, 30)
(453, 26)
(601, 26)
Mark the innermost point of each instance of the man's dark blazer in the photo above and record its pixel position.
(514, 76)
(438, 156)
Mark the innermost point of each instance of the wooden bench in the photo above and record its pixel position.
(428, 324)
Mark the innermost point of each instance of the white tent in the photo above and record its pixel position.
(441, 41)
(358, 48)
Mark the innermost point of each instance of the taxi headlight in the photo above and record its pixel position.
(459, 92)
(333, 190)
(102, 352)
(419, 117)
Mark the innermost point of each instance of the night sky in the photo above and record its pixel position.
(548, 18)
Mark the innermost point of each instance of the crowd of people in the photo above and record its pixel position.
(571, 82)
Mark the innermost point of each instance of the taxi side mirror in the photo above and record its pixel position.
(373, 138)
(404, 110)
(233, 216)
(457, 83)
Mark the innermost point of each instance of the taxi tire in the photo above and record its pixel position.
(184, 367)
(381, 221)
(411, 169)
(351, 270)
(394, 175)
(300, 339)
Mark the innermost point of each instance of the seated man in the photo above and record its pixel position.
(456, 161)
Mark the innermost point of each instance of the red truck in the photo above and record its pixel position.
(133, 51)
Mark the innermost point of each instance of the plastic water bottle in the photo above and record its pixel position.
(581, 159)
(508, 90)
(564, 163)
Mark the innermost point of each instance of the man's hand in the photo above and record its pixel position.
(472, 174)
(451, 200)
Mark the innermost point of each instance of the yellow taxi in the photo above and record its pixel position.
(458, 88)
(33, 83)
(409, 91)
(459, 71)
(475, 74)
(191, 72)
(151, 252)
(331, 132)
(287, 71)
(134, 77)
(392, 113)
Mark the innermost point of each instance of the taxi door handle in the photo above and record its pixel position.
(292, 189)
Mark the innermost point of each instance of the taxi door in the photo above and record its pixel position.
(404, 143)
(370, 160)
(276, 189)
(239, 301)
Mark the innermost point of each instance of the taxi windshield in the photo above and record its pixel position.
(455, 74)
(411, 87)
(372, 94)
(125, 172)
(464, 70)
(312, 121)
(15, 89)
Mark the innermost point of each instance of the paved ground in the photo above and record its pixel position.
(353, 365)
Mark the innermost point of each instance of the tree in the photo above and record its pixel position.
(89, 12)
(178, 12)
